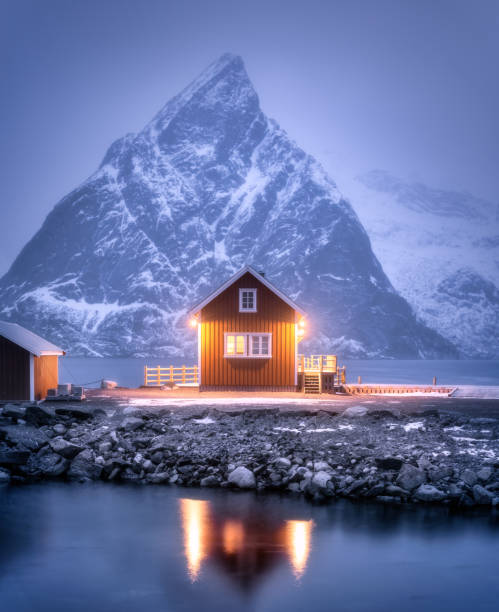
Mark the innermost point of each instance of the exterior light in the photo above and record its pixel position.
(301, 322)
(193, 322)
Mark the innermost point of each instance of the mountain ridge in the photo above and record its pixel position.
(208, 185)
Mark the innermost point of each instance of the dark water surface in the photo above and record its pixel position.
(130, 372)
(102, 547)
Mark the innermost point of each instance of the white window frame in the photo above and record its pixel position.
(253, 291)
(248, 345)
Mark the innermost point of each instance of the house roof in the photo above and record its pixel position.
(28, 340)
(236, 277)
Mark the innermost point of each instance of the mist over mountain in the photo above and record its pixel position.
(208, 185)
(440, 249)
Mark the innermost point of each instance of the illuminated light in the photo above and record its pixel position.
(195, 525)
(233, 537)
(193, 322)
(240, 345)
(298, 537)
(301, 322)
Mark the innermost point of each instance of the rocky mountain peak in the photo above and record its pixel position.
(208, 185)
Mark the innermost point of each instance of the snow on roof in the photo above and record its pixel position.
(236, 277)
(28, 340)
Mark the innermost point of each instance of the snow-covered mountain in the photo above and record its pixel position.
(440, 249)
(208, 185)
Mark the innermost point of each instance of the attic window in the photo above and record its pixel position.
(247, 300)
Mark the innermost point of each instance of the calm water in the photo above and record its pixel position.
(112, 548)
(130, 372)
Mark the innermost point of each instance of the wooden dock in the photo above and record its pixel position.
(389, 389)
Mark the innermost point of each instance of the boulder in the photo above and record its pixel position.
(283, 463)
(64, 448)
(428, 493)
(482, 496)
(48, 463)
(243, 478)
(389, 463)
(410, 477)
(354, 412)
(131, 423)
(484, 474)
(83, 467)
(469, 477)
(14, 411)
(39, 415)
(4, 476)
(24, 437)
(321, 465)
(209, 481)
(321, 479)
(75, 412)
(13, 457)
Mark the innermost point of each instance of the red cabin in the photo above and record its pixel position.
(248, 334)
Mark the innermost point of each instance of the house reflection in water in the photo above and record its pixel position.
(197, 531)
(244, 545)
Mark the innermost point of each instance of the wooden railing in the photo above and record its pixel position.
(317, 363)
(159, 376)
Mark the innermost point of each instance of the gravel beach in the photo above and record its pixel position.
(392, 450)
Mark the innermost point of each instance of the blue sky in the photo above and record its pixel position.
(410, 87)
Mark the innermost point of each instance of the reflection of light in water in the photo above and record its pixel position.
(298, 534)
(194, 513)
(233, 536)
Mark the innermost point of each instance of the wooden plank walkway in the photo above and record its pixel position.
(388, 389)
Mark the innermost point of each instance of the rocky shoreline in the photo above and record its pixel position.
(435, 456)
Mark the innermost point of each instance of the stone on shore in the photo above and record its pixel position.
(410, 477)
(321, 479)
(14, 457)
(242, 478)
(65, 448)
(75, 412)
(354, 412)
(389, 463)
(482, 496)
(469, 477)
(428, 493)
(14, 411)
(83, 467)
(47, 463)
(131, 423)
(38, 415)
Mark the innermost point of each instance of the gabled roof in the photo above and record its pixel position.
(236, 277)
(28, 340)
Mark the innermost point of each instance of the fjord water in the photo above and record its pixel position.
(130, 372)
(106, 547)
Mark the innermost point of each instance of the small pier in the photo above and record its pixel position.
(390, 389)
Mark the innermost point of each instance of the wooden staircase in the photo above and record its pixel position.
(312, 382)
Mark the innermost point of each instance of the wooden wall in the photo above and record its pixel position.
(273, 316)
(46, 374)
(14, 371)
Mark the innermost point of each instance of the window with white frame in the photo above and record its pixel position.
(247, 300)
(260, 345)
(248, 345)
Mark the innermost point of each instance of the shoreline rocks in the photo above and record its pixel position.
(433, 457)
